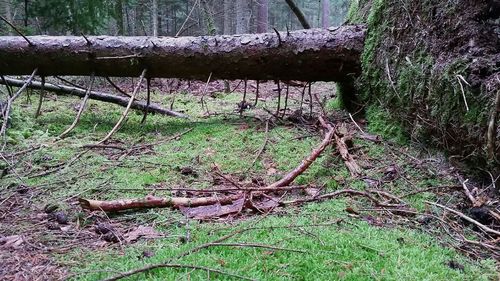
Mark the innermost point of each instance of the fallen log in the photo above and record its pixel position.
(75, 91)
(154, 202)
(306, 55)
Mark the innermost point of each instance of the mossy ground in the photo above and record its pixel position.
(336, 244)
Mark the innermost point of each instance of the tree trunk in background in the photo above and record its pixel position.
(208, 17)
(306, 55)
(298, 13)
(7, 13)
(228, 11)
(262, 16)
(154, 17)
(325, 13)
(242, 16)
(119, 17)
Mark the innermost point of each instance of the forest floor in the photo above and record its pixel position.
(45, 234)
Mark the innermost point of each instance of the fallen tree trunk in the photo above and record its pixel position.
(306, 55)
(154, 202)
(75, 91)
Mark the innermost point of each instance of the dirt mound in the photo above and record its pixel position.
(433, 66)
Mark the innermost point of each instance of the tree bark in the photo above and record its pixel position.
(67, 90)
(298, 13)
(305, 55)
(262, 16)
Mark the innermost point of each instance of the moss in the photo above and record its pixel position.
(413, 88)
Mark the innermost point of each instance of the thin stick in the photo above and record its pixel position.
(286, 99)
(256, 95)
(478, 224)
(80, 110)
(356, 124)
(467, 191)
(86, 39)
(336, 194)
(244, 101)
(290, 177)
(116, 87)
(187, 18)
(173, 265)
(148, 101)
(310, 100)
(3, 130)
(17, 30)
(9, 89)
(204, 92)
(462, 89)
(256, 245)
(279, 98)
(266, 140)
(125, 112)
(42, 92)
(302, 97)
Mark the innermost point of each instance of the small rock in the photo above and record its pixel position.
(61, 218)
(110, 237)
(103, 228)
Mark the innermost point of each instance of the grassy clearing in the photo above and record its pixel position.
(356, 248)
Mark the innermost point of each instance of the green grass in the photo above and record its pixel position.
(353, 249)
(350, 250)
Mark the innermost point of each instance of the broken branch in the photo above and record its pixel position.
(125, 112)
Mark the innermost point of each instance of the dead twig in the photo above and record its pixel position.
(40, 100)
(125, 112)
(336, 194)
(467, 218)
(255, 245)
(173, 265)
(290, 177)
(6, 115)
(148, 100)
(154, 202)
(116, 87)
(80, 110)
(266, 140)
(17, 30)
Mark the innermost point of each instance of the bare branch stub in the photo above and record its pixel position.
(17, 30)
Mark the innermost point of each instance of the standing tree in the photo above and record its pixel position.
(242, 16)
(325, 13)
(262, 16)
(154, 17)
